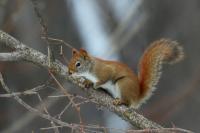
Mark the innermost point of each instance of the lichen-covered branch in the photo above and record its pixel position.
(25, 53)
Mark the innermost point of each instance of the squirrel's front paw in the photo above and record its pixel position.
(87, 83)
(117, 102)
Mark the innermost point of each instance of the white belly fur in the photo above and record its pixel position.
(112, 89)
(108, 86)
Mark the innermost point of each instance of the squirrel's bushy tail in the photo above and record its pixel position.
(159, 52)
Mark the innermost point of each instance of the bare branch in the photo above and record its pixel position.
(31, 55)
(47, 112)
(27, 117)
(71, 100)
(103, 100)
(163, 130)
(27, 92)
(17, 94)
(58, 41)
(13, 56)
(28, 107)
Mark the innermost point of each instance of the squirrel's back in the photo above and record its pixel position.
(159, 52)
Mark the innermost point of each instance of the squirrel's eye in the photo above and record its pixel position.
(78, 64)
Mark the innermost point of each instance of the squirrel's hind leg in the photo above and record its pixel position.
(129, 89)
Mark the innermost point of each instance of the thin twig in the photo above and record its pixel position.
(163, 130)
(28, 107)
(47, 112)
(16, 94)
(74, 96)
(58, 41)
(68, 95)
(27, 92)
(27, 117)
(62, 112)
(39, 16)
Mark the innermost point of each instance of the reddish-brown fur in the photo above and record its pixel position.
(113, 70)
(134, 89)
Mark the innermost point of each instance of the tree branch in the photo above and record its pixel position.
(20, 101)
(28, 54)
(13, 56)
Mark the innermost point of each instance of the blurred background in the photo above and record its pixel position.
(110, 29)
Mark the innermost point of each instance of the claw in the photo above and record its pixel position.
(117, 102)
(87, 84)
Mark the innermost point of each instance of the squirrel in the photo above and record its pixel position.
(118, 79)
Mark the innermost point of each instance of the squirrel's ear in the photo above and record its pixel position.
(83, 53)
(74, 51)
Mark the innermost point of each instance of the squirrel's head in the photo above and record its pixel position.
(80, 62)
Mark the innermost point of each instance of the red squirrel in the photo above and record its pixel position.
(119, 80)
